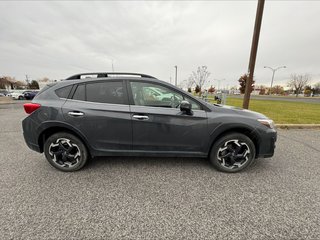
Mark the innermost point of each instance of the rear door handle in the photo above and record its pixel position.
(141, 117)
(76, 114)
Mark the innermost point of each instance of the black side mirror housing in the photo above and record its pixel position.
(186, 107)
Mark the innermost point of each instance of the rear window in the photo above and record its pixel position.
(46, 87)
(64, 91)
(101, 92)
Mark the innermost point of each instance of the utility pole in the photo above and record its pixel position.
(176, 80)
(273, 72)
(253, 54)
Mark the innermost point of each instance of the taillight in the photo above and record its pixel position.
(31, 107)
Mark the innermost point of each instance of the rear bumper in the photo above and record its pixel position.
(29, 134)
(31, 145)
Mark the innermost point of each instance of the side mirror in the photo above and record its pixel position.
(185, 107)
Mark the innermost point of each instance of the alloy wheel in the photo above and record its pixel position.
(233, 154)
(65, 153)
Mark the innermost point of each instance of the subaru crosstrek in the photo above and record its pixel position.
(130, 114)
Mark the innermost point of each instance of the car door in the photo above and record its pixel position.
(100, 111)
(158, 125)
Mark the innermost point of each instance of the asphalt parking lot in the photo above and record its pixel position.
(158, 198)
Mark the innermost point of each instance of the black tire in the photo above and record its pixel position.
(232, 153)
(69, 155)
(20, 98)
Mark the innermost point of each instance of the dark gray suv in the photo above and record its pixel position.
(130, 114)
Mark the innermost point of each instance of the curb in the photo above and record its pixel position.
(298, 126)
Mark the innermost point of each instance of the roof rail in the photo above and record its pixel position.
(108, 74)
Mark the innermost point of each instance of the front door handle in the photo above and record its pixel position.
(140, 117)
(76, 114)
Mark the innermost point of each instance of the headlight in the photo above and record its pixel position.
(267, 122)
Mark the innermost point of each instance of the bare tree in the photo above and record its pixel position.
(200, 77)
(190, 82)
(298, 82)
(278, 90)
(7, 82)
(187, 83)
(4, 82)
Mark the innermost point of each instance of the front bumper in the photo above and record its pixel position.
(267, 144)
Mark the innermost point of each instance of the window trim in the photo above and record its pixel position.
(131, 100)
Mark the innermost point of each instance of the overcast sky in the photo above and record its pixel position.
(58, 39)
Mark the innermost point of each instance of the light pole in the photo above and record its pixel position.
(273, 72)
(219, 80)
(27, 78)
(176, 80)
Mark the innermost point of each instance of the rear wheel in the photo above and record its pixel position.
(232, 153)
(65, 152)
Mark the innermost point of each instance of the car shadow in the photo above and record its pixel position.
(164, 162)
(146, 161)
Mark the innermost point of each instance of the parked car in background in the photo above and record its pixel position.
(5, 92)
(29, 95)
(24, 94)
(17, 94)
(115, 115)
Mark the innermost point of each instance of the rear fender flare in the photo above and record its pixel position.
(57, 126)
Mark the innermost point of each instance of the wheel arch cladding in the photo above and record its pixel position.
(249, 132)
(46, 133)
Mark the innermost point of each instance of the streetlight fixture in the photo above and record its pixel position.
(273, 72)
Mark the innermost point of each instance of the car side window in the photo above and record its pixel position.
(195, 106)
(63, 92)
(106, 92)
(155, 95)
(80, 94)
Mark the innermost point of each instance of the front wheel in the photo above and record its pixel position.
(232, 153)
(65, 152)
